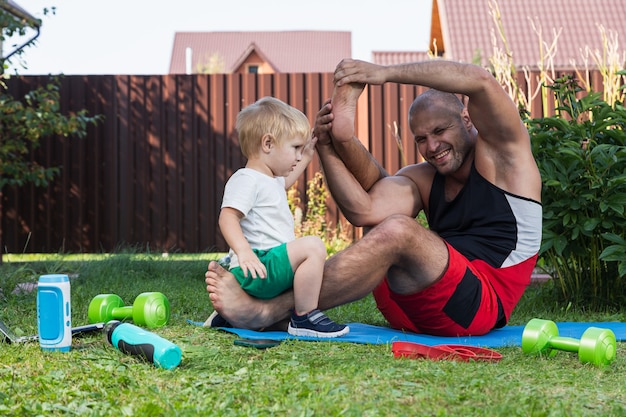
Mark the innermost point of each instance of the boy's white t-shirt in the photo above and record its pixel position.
(262, 199)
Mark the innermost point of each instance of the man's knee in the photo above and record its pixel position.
(400, 229)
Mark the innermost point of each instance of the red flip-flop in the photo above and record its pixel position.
(444, 352)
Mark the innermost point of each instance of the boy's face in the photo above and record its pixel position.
(285, 156)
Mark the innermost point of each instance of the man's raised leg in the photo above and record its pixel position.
(344, 103)
(356, 158)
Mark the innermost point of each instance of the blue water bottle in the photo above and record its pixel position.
(134, 340)
(54, 312)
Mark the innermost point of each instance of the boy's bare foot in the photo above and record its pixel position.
(344, 102)
(235, 305)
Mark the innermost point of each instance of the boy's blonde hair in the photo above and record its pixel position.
(272, 116)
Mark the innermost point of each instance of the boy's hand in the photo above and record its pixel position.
(309, 149)
(250, 263)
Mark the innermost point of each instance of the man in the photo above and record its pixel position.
(479, 187)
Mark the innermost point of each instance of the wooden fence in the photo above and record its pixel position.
(152, 173)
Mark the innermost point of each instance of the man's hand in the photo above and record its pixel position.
(323, 124)
(355, 71)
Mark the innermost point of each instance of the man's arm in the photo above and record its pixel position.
(503, 152)
(492, 111)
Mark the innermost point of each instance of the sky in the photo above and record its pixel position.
(136, 37)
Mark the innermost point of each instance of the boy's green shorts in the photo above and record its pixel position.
(279, 274)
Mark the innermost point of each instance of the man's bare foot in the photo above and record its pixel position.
(344, 102)
(228, 299)
(236, 306)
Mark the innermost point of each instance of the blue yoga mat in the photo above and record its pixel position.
(368, 334)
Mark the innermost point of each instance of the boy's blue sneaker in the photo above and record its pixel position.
(215, 320)
(315, 324)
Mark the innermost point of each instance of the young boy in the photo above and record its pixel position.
(265, 256)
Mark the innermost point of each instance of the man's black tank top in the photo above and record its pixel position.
(485, 222)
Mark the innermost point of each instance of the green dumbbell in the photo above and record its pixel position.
(596, 346)
(150, 309)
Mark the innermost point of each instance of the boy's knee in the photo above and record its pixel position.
(320, 247)
(315, 246)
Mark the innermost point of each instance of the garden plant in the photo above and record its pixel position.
(581, 153)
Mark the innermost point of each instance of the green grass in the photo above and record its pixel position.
(293, 379)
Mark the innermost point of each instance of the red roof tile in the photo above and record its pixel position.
(467, 28)
(286, 51)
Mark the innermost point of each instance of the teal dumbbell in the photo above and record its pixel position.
(150, 309)
(596, 346)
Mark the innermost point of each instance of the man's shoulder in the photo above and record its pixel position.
(422, 175)
(421, 171)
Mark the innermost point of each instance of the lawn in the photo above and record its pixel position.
(295, 378)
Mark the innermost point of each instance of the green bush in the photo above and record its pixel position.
(581, 155)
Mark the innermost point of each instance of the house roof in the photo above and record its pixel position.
(285, 51)
(467, 26)
(19, 12)
(398, 57)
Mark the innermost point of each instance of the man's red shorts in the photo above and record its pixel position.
(462, 302)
